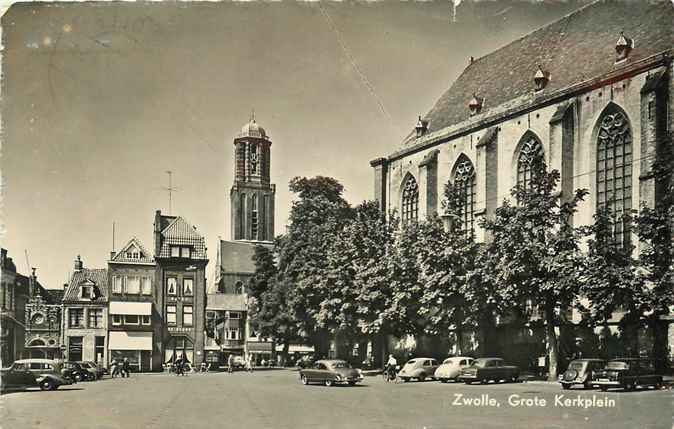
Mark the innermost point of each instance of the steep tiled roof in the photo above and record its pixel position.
(98, 276)
(577, 48)
(146, 256)
(55, 296)
(179, 232)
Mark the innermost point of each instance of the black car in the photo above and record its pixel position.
(627, 373)
(78, 373)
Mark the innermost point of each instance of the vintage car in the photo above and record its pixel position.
(580, 372)
(419, 368)
(627, 373)
(331, 372)
(79, 373)
(92, 368)
(486, 369)
(42, 373)
(451, 368)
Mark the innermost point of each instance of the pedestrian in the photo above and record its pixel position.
(126, 368)
(249, 363)
(114, 368)
(204, 367)
(230, 363)
(179, 367)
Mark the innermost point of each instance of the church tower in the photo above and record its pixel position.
(252, 196)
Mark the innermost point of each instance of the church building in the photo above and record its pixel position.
(591, 93)
(252, 223)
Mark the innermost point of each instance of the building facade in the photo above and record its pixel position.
(43, 313)
(135, 322)
(180, 256)
(12, 298)
(85, 314)
(595, 105)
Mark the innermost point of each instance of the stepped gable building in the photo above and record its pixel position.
(135, 322)
(85, 314)
(180, 256)
(252, 223)
(592, 93)
(42, 320)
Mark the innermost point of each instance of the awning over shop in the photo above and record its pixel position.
(130, 341)
(296, 348)
(137, 308)
(259, 346)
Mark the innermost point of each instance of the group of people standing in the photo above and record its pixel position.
(122, 368)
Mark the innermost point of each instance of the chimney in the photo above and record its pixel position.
(112, 255)
(65, 286)
(157, 232)
(79, 265)
(32, 282)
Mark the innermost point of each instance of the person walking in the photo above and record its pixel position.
(114, 368)
(126, 368)
(249, 363)
(230, 363)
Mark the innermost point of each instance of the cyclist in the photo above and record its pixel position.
(390, 369)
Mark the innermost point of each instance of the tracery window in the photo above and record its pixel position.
(614, 171)
(464, 179)
(254, 164)
(254, 217)
(410, 202)
(531, 152)
(242, 216)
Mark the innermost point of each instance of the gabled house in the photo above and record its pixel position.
(85, 314)
(180, 255)
(134, 322)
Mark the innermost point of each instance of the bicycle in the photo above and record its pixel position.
(390, 375)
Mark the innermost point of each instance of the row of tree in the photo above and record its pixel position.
(352, 272)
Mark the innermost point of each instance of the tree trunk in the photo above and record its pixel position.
(284, 352)
(459, 341)
(659, 329)
(551, 339)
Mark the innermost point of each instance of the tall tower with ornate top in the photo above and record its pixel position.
(252, 194)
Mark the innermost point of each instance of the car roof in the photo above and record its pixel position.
(459, 357)
(330, 361)
(589, 360)
(35, 360)
(489, 358)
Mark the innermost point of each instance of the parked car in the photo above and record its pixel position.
(627, 373)
(238, 362)
(42, 373)
(580, 371)
(485, 369)
(419, 368)
(451, 368)
(331, 372)
(92, 368)
(79, 373)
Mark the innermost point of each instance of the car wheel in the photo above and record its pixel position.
(628, 387)
(47, 384)
(352, 383)
(304, 379)
(405, 379)
(603, 388)
(514, 378)
(587, 385)
(484, 381)
(443, 380)
(422, 377)
(566, 386)
(329, 382)
(467, 381)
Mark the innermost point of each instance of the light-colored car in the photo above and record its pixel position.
(419, 368)
(451, 368)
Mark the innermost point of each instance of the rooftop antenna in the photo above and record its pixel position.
(113, 235)
(252, 115)
(170, 190)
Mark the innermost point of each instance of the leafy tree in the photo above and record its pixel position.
(534, 249)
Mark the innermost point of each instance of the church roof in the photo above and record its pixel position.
(180, 233)
(237, 257)
(133, 245)
(577, 48)
(97, 276)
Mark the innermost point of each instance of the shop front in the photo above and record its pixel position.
(260, 351)
(134, 346)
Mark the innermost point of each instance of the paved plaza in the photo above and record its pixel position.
(276, 399)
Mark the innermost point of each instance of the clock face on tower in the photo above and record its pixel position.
(37, 319)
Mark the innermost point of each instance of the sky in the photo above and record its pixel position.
(99, 100)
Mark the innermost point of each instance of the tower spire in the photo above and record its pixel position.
(252, 115)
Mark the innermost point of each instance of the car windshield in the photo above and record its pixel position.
(480, 363)
(340, 365)
(411, 362)
(448, 360)
(576, 365)
(617, 365)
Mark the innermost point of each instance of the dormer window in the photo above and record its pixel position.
(180, 252)
(475, 104)
(541, 78)
(623, 47)
(88, 292)
(421, 127)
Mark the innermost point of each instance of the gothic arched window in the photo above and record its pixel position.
(614, 170)
(531, 152)
(254, 163)
(254, 217)
(410, 201)
(242, 216)
(464, 179)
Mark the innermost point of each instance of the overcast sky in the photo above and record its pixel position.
(100, 100)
